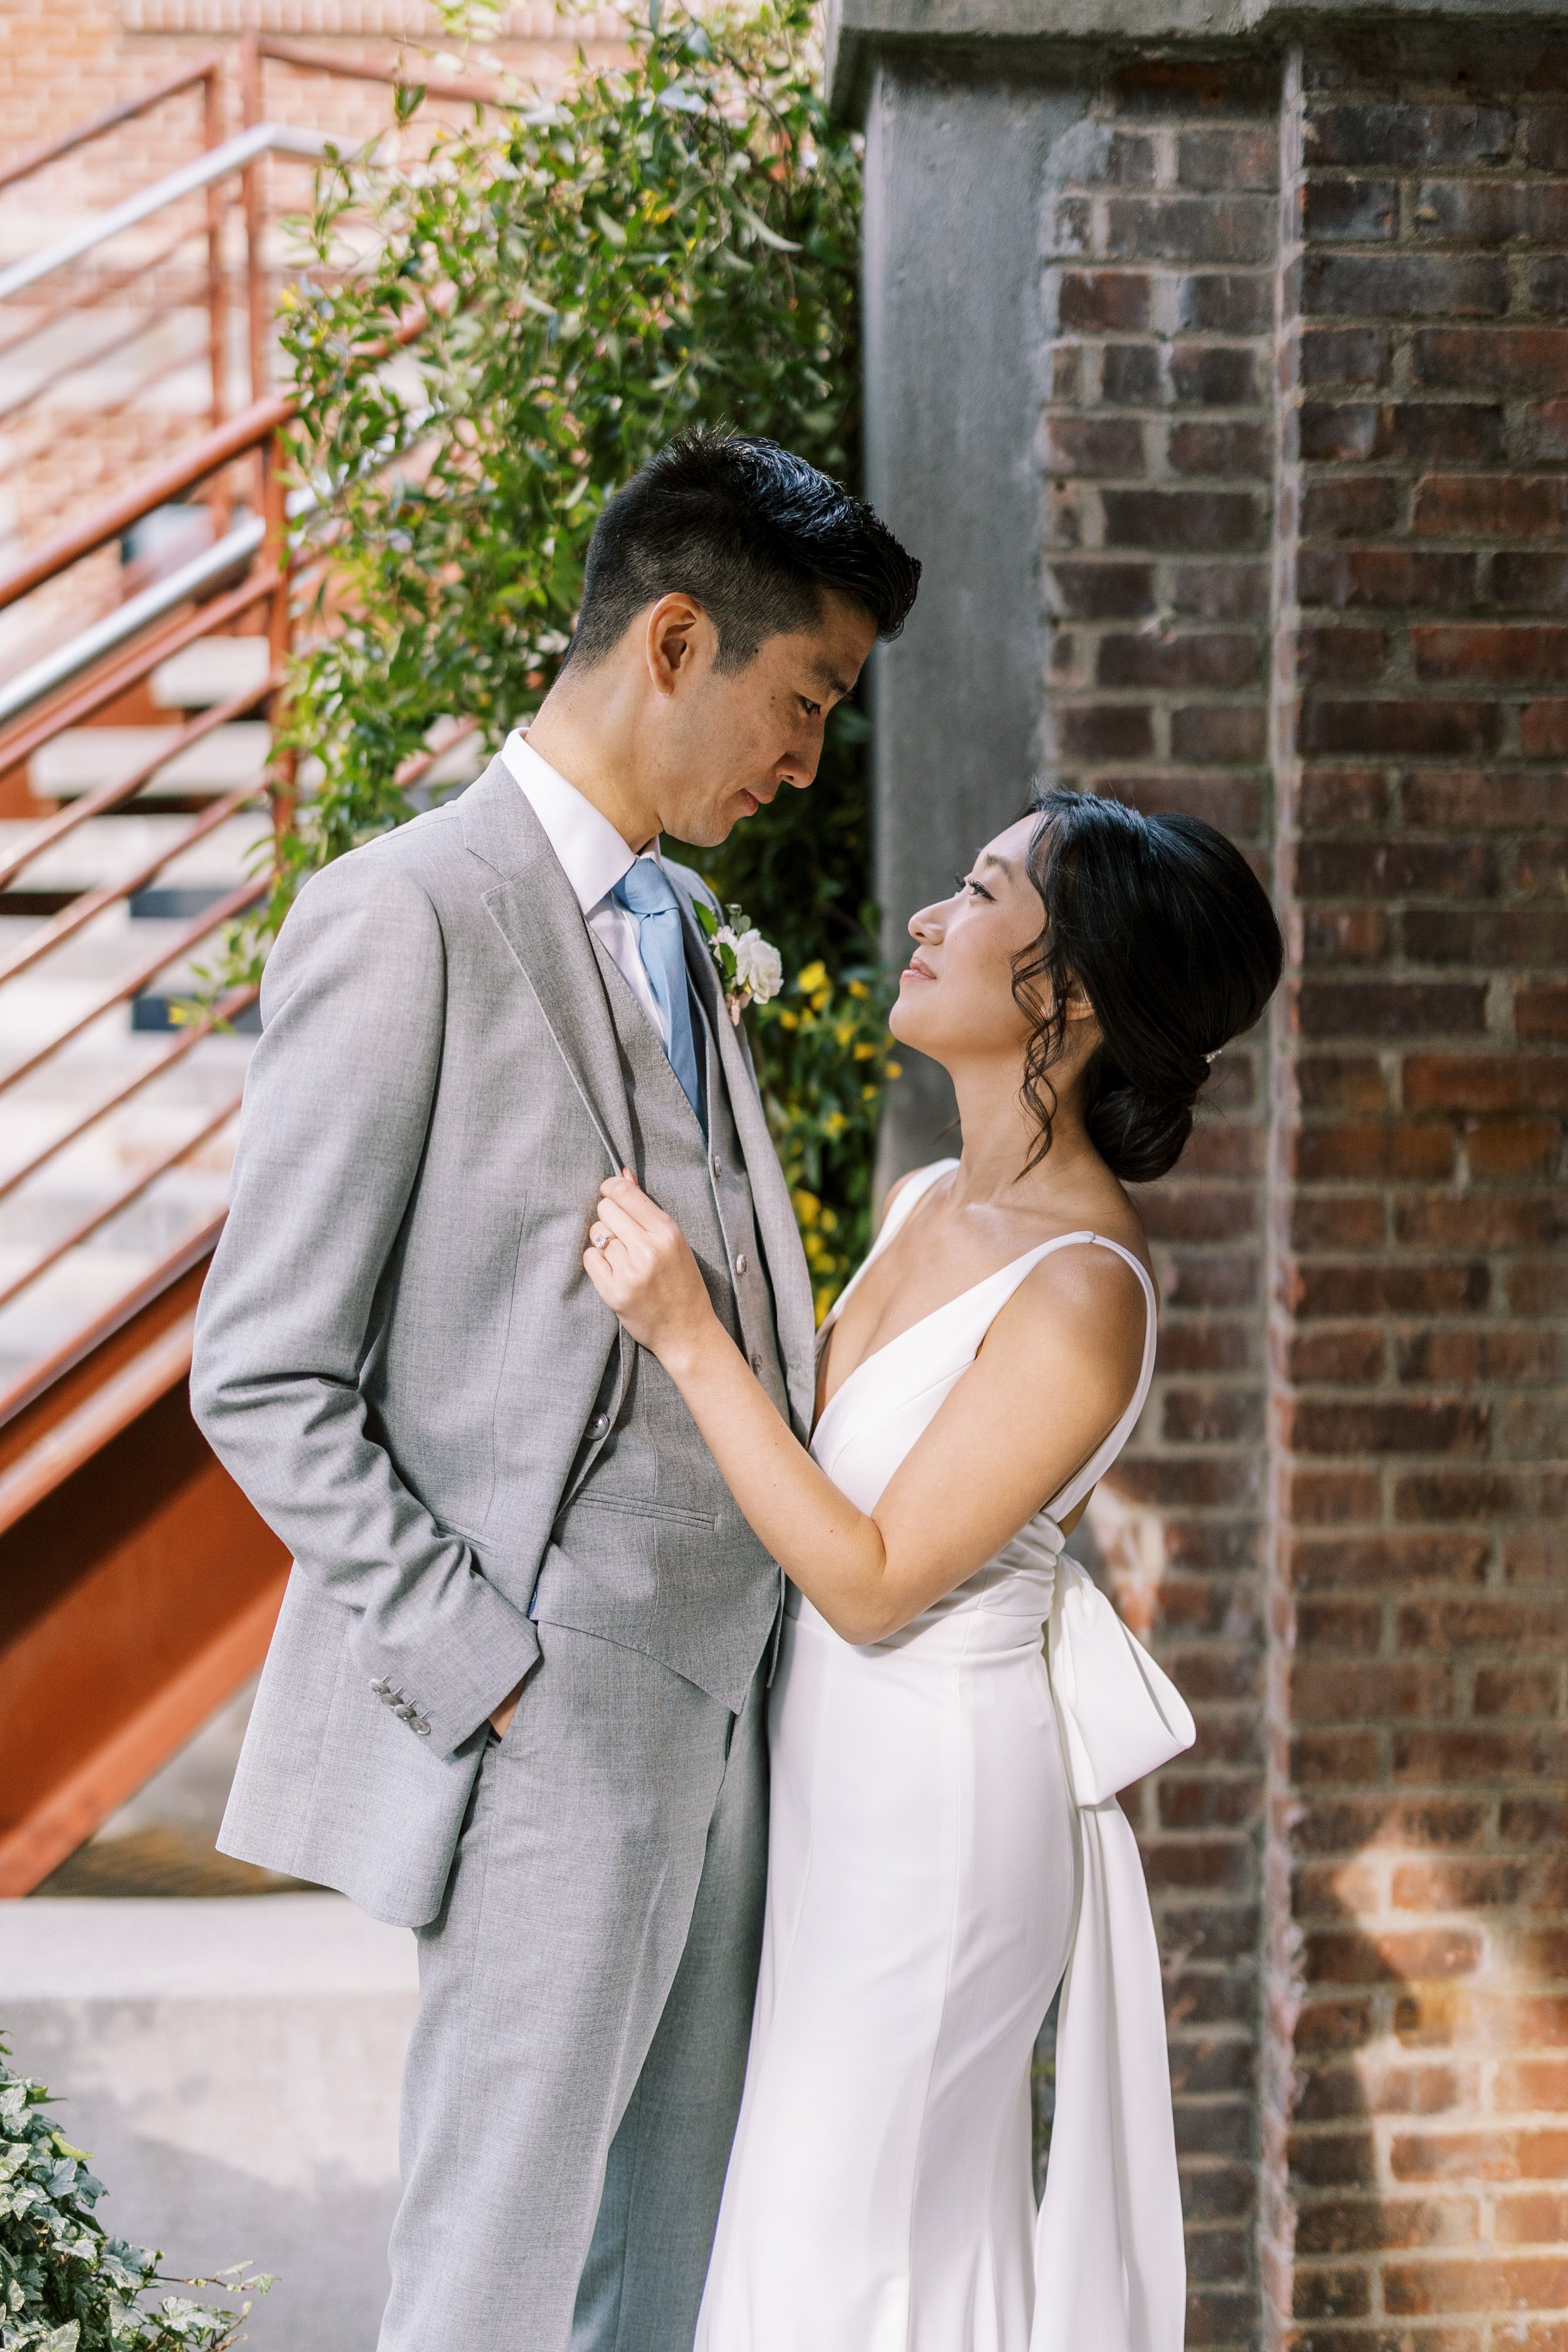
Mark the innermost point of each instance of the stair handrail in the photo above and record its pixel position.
(235, 155)
(201, 69)
(62, 663)
(468, 88)
(32, 1383)
(107, 687)
(250, 429)
(206, 455)
(117, 651)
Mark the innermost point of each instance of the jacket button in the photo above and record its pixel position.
(757, 1362)
(421, 1728)
(717, 1165)
(599, 1424)
(740, 1261)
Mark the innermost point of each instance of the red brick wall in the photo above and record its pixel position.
(1419, 2158)
(1160, 456)
(1340, 1520)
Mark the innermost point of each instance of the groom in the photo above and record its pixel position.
(515, 1696)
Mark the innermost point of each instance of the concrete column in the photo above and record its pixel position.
(957, 168)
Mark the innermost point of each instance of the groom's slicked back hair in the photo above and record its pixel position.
(750, 533)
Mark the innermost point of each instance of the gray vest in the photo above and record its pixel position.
(650, 1549)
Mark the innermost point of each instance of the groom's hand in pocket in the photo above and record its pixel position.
(501, 1721)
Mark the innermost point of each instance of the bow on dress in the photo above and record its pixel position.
(1110, 2266)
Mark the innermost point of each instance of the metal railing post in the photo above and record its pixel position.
(219, 502)
(255, 218)
(279, 614)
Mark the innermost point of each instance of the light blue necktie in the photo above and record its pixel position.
(646, 891)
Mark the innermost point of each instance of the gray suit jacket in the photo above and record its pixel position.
(398, 1356)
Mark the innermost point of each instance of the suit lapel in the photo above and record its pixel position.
(771, 1204)
(535, 909)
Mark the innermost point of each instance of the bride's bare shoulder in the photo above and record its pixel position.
(1080, 1302)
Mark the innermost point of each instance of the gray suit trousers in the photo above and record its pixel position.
(585, 2009)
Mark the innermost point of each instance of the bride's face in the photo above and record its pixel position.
(955, 998)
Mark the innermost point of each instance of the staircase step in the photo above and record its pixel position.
(87, 1175)
(109, 848)
(211, 670)
(84, 759)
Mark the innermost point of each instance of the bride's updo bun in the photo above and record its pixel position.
(1171, 936)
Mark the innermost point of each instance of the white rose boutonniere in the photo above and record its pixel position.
(750, 967)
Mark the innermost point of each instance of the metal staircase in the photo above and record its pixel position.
(138, 793)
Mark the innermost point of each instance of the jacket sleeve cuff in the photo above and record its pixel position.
(445, 1695)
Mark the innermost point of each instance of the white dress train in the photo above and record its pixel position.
(945, 1841)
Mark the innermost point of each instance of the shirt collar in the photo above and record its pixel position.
(591, 853)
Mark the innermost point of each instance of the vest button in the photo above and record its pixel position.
(740, 1261)
(717, 1165)
(757, 1362)
(599, 1424)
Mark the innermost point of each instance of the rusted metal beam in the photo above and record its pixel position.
(110, 796)
(136, 1597)
(87, 1226)
(295, 53)
(47, 1391)
(84, 702)
(205, 455)
(123, 1398)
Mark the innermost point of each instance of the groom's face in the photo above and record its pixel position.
(736, 738)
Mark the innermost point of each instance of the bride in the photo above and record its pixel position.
(944, 1838)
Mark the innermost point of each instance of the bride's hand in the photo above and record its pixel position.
(640, 1263)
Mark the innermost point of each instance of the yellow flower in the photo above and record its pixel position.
(865, 1053)
(822, 1299)
(829, 1221)
(843, 1031)
(858, 988)
(867, 1093)
(834, 1125)
(789, 1021)
(819, 998)
(808, 1207)
(892, 1069)
(814, 977)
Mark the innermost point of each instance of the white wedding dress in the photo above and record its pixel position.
(945, 1841)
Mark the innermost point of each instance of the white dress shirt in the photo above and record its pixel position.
(594, 857)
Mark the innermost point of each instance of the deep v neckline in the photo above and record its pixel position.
(890, 1234)
(958, 1299)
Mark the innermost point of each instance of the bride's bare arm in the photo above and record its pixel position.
(1051, 1381)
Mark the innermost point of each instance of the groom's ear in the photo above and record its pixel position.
(676, 633)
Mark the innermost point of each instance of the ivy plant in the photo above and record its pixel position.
(670, 240)
(64, 2284)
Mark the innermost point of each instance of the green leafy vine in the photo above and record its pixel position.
(670, 240)
(64, 2284)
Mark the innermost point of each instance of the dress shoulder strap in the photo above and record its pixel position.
(913, 1191)
(1010, 1278)
(1085, 1480)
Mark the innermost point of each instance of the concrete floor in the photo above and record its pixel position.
(230, 2057)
